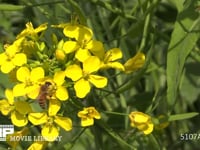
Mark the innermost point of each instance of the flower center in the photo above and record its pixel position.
(86, 75)
(50, 121)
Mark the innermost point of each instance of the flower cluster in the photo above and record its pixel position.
(50, 73)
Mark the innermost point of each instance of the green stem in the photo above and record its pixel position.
(115, 113)
(145, 31)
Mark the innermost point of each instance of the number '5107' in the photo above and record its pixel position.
(190, 136)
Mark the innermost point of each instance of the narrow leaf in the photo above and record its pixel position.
(182, 116)
(11, 7)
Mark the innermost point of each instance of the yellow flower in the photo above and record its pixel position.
(57, 90)
(7, 105)
(20, 133)
(87, 116)
(51, 121)
(17, 109)
(38, 145)
(83, 77)
(110, 58)
(12, 57)
(81, 42)
(31, 32)
(29, 82)
(134, 63)
(141, 121)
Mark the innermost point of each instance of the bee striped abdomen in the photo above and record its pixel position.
(42, 102)
(42, 97)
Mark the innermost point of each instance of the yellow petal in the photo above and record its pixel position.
(134, 63)
(11, 50)
(33, 91)
(82, 88)
(54, 107)
(61, 93)
(70, 46)
(19, 90)
(41, 28)
(37, 118)
(96, 47)
(3, 58)
(113, 54)
(87, 122)
(59, 78)
(89, 112)
(50, 132)
(115, 65)
(63, 122)
(36, 74)
(98, 81)
(22, 107)
(9, 96)
(80, 33)
(141, 118)
(83, 113)
(93, 112)
(91, 64)
(5, 107)
(82, 54)
(17, 44)
(7, 67)
(149, 129)
(19, 59)
(71, 31)
(38, 145)
(23, 74)
(18, 119)
(74, 72)
(142, 126)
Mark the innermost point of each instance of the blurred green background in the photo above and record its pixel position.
(166, 31)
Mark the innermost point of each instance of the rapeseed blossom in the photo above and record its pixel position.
(29, 82)
(134, 63)
(71, 67)
(12, 57)
(88, 115)
(18, 110)
(141, 121)
(30, 32)
(83, 77)
(50, 121)
(110, 57)
(81, 43)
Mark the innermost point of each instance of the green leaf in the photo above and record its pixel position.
(182, 116)
(11, 7)
(183, 40)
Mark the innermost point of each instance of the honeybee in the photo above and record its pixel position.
(44, 94)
